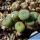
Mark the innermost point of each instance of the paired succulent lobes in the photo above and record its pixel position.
(38, 19)
(7, 21)
(14, 15)
(33, 17)
(23, 14)
(34, 14)
(19, 26)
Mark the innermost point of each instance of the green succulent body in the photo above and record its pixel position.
(23, 14)
(7, 21)
(34, 14)
(14, 15)
(33, 17)
(38, 19)
(19, 26)
(30, 23)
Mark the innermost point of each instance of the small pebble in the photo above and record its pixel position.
(24, 5)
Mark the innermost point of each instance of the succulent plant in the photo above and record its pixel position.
(34, 14)
(23, 14)
(33, 17)
(38, 19)
(7, 21)
(14, 15)
(19, 26)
